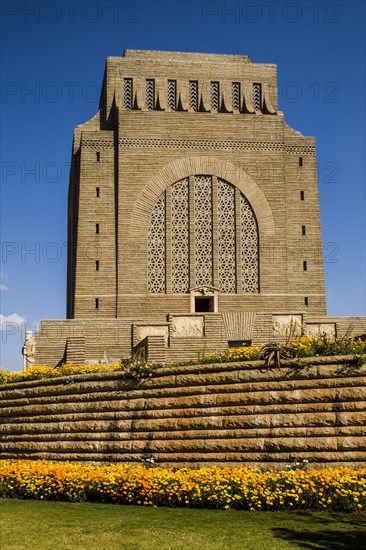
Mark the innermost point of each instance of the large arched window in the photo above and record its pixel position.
(202, 231)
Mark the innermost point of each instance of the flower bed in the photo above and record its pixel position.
(140, 370)
(305, 346)
(333, 490)
(132, 369)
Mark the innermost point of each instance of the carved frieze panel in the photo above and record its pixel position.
(141, 331)
(188, 326)
(287, 325)
(316, 329)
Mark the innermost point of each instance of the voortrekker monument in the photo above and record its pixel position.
(193, 226)
(193, 216)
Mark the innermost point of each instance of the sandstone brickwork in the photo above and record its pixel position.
(226, 414)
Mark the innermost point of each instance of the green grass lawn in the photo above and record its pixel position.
(32, 524)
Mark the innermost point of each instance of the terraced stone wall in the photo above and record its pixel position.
(226, 414)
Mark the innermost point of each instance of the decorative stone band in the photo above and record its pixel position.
(217, 145)
(203, 144)
(98, 144)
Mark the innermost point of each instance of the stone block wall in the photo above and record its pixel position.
(88, 340)
(225, 414)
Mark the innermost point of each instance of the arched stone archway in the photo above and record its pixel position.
(189, 166)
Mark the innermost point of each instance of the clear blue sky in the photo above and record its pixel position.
(52, 63)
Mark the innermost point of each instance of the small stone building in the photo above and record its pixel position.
(193, 216)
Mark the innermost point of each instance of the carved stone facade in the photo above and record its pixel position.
(189, 195)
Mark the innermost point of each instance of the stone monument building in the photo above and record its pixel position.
(193, 216)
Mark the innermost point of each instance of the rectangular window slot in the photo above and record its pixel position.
(96, 303)
(96, 265)
(306, 301)
(128, 94)
(300, 161)
(303, 230)
(172, 94)
(215, 96)
(193, 95)
(305, 265)
(235, 92)
(302, 195)
(239, 343)
(97, 228)
(97, 191)
(257, 97)
(98, 156)
(150, 94)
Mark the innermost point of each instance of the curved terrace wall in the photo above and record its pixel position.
(227, 414)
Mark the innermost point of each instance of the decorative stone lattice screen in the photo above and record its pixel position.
(180, 236)
(205, 221)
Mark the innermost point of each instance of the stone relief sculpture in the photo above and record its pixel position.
(188, 327)
(29, 350)
(317, 329)
(141, 331)
(287, 325)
